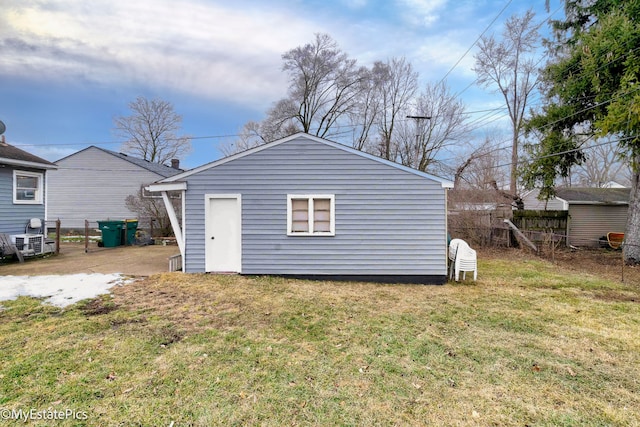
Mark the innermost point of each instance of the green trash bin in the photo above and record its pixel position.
(129, 231)
(111, 233)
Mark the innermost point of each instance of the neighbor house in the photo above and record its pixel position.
(92, 184)
(23, 188)
(593, 212)
(307, 207)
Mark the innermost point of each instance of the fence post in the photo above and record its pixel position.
(58, 236)
(86, 236)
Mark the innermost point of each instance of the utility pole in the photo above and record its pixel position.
(417, 119)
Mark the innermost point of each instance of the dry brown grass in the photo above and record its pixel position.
(530, 343)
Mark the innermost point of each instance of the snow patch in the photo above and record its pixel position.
(62, 290)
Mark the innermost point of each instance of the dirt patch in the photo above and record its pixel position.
(613, 296)
(128, 260)
(98, 306)
(603, 263)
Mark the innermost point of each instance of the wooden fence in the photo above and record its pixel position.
(539, 225)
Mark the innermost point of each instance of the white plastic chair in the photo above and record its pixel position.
(462, 259)
(34, 226)
(453, 249)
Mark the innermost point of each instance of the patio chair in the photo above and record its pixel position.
(463, 259)
(8, 248)
(453, 250)
(34, 226)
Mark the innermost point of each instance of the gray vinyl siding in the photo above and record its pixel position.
(387, 221)
(14, 217)
(587, 223)
(93, 185)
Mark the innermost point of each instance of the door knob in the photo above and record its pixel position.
(213, 238)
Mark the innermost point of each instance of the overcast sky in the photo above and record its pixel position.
(69, 66)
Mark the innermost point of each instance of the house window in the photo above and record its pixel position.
(310, 215)
(27, 187)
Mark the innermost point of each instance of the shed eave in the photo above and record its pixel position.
(167, 186)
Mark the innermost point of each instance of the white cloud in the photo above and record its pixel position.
(422, 12)
(195, 47)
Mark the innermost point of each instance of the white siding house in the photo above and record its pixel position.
(307, 207)
(93, 184)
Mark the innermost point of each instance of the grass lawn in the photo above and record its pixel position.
(529, 343)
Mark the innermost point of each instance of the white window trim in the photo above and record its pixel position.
(311, 197)
(39, 192)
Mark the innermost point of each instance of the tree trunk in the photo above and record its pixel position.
(631, 247)
(513, 181)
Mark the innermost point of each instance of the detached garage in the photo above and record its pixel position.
(594, 212)
(304, 206)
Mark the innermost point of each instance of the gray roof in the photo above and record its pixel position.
(15, 156)
(157, 168)
(594, 195)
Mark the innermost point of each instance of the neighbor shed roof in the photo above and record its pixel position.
(157, 168)
(594, 195)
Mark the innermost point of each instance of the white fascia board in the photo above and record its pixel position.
(23, 163)
(168, 186)
(443, 182)
(565, 204)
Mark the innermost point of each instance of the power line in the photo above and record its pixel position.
(53, 144)
(476, 41)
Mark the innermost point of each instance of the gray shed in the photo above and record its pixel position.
(593, 212)
(307, 207)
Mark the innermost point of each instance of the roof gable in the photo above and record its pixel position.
(445, 183)
(157, 168)
(14, 156)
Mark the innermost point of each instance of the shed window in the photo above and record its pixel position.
(27, 187)
(310, 215)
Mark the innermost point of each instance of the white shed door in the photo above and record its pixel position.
(223, 233)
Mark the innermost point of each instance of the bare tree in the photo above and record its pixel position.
(323, 85)
(271, 128)
(396, 83)
(150, 132)
(152, 209)
(364, 115)
(603, 164)
(508, 66)
(422, 141)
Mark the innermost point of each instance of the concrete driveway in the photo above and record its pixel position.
(128, 260)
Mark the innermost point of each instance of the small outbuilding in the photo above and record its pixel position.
(307, 207)
(593, 212)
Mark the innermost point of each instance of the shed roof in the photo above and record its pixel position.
(157, 168)
(445, 183)
(11, 155)
(594, 195)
